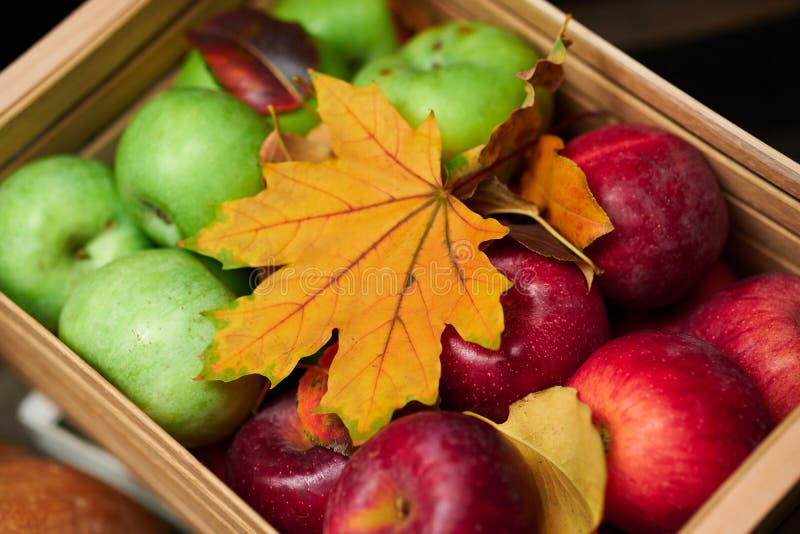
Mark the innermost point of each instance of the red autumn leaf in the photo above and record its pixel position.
(324, 429)
(256, 57)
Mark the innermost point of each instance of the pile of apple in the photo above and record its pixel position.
(701, 365)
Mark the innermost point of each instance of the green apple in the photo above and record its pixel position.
(465, 72)
(195, 73)
(185, 152)
(60, 218)
(357, 30)
(139, 322)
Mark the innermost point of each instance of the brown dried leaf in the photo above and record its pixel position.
(548, 73)
(279, 147)
(492, 197)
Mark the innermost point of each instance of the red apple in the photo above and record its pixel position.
(276, 469)
(434, 472)
(677, 417)
(213, 457)
(552, 324)
(673, 318)
(670, 220)
(756, 322)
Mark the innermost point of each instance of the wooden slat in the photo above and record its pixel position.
(70, 61)
(770, 235)
(99, 409)
(749, 256)
(756, 487)
(115, 96)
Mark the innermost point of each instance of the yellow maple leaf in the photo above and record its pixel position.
(369, 243)
(558, 186)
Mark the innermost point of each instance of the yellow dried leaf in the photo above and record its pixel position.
(553, 430)
(558, 187)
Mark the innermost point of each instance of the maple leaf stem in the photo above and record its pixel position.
(277, 124)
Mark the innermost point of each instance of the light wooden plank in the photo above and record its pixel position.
(749, 256)
(116, 94)
(756, 487)
(68, 63)
(771, 235)
(108, 417)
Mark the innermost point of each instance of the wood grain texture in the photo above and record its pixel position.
(115, 95)
(39, 495)
(69, 62)
(759, 484)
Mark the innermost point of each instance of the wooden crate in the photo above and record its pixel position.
(76, 89)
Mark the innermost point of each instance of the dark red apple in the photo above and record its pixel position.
(438, 473)
(670, 220)
(756, 322)
(673, 318)
(552, 324)
(276, 469)
(213, 457)
(677, 417)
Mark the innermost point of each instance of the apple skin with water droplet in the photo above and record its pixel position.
(60, 219)
(756, 322)
(677, 417)
(279, 471)
(553, 322)
(670, 219)
(184, 153)
(436, 472)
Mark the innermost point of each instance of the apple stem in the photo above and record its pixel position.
(402, 506)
